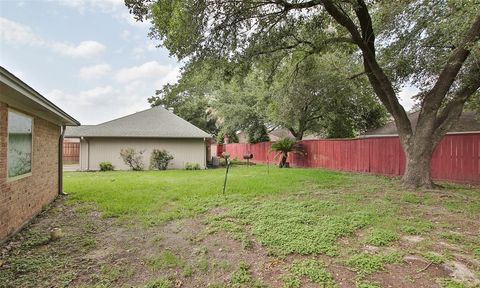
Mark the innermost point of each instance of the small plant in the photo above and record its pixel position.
(313, 270)
(366, 263)
(450, 283)
(476, 253)
(285, 146)
(166, 260)
(106, 166)
(192, 166)
(160, 159)
(435, 258)
(380, 237)
(367, 284)
(159, 283)
(132, 158)
(241, 276)
(187, 271)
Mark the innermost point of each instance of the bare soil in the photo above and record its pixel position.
(104, 252)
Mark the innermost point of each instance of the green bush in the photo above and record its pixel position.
(192, 166)
(106, 166)
(132, 158)
(160, 159)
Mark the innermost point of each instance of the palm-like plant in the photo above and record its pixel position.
(283, 147)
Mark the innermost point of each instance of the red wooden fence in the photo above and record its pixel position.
(71, 152)
(456, 158)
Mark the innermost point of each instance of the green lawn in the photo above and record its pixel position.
(273, 228)
(154, 196)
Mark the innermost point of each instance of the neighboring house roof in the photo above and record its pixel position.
(18, 94)
(467, 122)
(155, 122)
(276, 135)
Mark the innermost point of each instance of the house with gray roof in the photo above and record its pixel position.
(154, 128)
(31, 136)
(467, 123)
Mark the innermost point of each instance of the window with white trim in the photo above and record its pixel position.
(19, 156)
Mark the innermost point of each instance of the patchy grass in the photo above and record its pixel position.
(286, 228)
(166, 259)
(380, 237)
(311, 269)
(365, 263)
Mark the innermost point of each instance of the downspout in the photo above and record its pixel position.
(88, 154)
(82, 157)
(205, 153)
(60, 161)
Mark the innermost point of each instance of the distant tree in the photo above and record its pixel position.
(316, 96)
(190, 98)
(257, 133)
(241, 105)
(432, 44)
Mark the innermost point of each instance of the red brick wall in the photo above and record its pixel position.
(22, 199)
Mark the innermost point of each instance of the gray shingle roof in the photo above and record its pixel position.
(155, 122)
(466, 123)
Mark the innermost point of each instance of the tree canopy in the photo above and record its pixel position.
(431, 44)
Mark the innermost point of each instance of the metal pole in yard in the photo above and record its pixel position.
(268, 166)
(226, 175)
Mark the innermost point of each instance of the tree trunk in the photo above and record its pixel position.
(417, 170)
(418, 153)
(283, 161)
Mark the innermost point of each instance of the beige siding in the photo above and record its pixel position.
(95, 150)
(83, 154)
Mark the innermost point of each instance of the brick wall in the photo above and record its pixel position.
(22, 199)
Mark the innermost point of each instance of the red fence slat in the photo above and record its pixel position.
(71, 152)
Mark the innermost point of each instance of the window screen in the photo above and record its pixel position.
(19, 144)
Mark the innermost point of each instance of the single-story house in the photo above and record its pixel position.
(31, 130)
(154, 128)
(467, 123)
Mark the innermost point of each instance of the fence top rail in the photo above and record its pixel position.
(358, 138)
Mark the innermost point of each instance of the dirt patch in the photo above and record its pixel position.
(412, 272)
(104, 251)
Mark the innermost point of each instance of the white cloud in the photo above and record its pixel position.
(96, 92)
(116, 8)
(126, 35)
(151, 69)
(82, 5)
(140, 50)
(104, 103)
(107, 102)
(405, 96)
(13, 32)
(95, 71)
(16, 33)
(85, 49)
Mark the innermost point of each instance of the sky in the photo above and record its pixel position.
(89, 57)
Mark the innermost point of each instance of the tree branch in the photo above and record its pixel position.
(377, 77)
(446, 78)
(452, 111)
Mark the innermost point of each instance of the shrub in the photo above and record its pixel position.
(192, 166)
(106, 166)
(132, 158)
(160, 159)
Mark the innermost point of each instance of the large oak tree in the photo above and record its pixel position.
(433, 44)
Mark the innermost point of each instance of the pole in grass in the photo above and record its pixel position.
(226, 156)
(268, 166)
